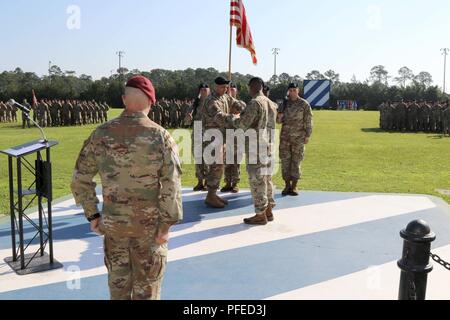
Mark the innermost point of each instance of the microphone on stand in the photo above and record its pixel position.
(26, 112)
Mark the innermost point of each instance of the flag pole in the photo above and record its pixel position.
(229, 54)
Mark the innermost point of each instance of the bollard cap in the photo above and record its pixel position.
(418, 231)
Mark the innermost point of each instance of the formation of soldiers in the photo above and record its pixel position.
(8, 113)
(59, 113)
(171, 113)
(433, 117)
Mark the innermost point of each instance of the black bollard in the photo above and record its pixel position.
(415, 263)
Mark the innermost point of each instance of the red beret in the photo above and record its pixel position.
(145, 85)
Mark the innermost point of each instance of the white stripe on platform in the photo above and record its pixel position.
(375, 283)
(66, 252)
(292, 223)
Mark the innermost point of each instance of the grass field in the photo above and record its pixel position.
(347, 153)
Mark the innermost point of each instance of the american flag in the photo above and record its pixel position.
(244, 37)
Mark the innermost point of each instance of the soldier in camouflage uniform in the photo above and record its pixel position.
(434, 117)
(233, 170)
(390, 111)
(48, 114)
(296, 118)
(77, 113)
(54, 113)
(8, 112)
(157, 113)
(42, 114)
(84, 113)
(13, 113)
(413, 116)
(197, 148)
(214, 118)
(401, 110)
(173, 114)
(25, 117)
(258, 116)
(2, 111)
(140, 171)
(65, 113)
(105, 111)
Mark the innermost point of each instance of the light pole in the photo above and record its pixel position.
(50, 72)
(445, 52)
(275, 52)
(120, 54)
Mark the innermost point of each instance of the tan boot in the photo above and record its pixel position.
(223, 200)
(269, 213)
(259, 219)
(213, 201)
(294, 191)
(287, 188)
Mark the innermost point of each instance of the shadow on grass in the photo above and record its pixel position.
(373, 130)
(438, 136)
(430, 134)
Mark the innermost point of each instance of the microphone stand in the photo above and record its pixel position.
(26, 111)
(44, 140)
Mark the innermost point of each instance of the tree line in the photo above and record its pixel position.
(182, 84)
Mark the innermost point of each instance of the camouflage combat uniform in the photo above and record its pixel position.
(140, 172)
(214, 117)
(259, 116)
(197, 150)
(297, 125)
(233, 170)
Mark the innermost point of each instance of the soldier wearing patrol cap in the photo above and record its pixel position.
(217, 108)
(141, 176)
(296, 118)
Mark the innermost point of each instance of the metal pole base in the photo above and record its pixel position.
(38, 264)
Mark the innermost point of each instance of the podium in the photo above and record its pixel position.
(20, 199)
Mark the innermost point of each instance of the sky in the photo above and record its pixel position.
(347, 36)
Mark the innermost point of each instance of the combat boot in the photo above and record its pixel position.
(235, 188)
(287, 188)
(269, 213)
(223, 200)
(199, 186)
(212, 200)
(227, 188)
(294, 191)
(259, 219)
